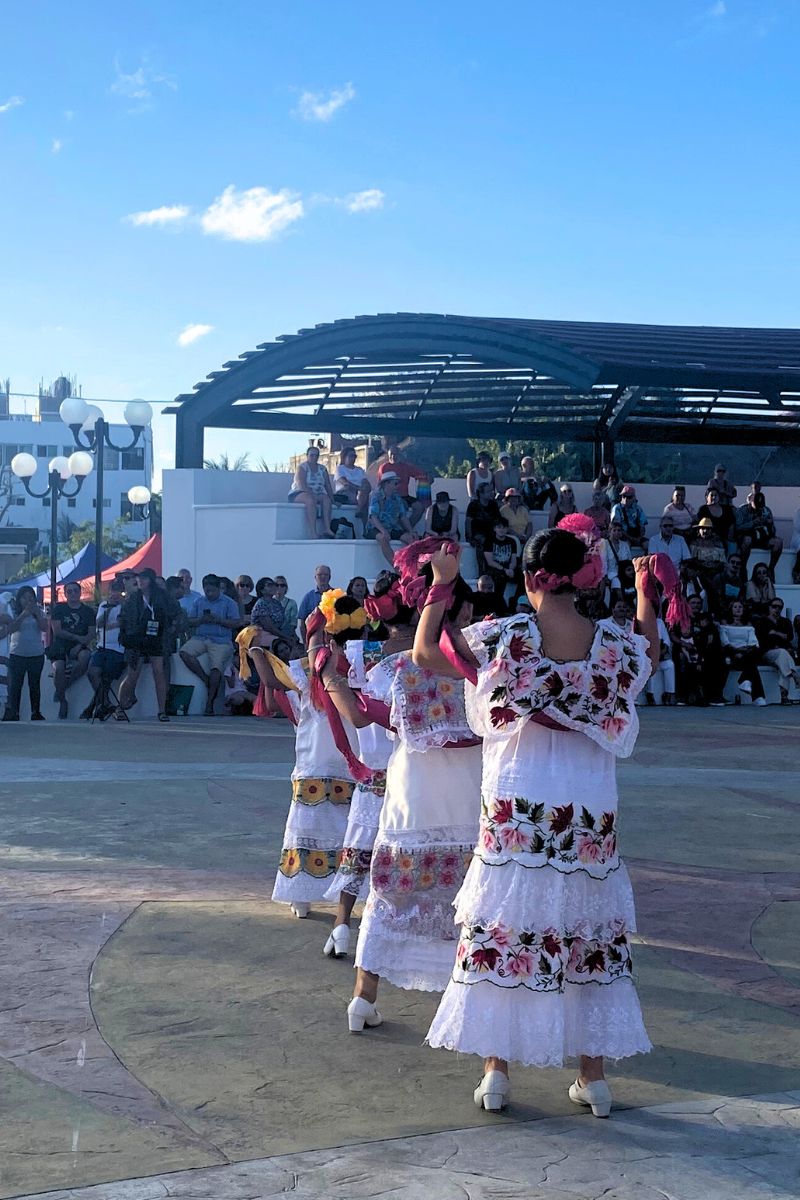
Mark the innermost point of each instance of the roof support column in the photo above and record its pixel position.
(189, 440)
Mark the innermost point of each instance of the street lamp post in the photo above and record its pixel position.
(61, 469)
(87, 420)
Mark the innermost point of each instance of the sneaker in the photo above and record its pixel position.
(746, 687)
(761, 702)
(716, 703)
(37, 716)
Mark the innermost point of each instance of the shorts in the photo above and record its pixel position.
(147, 648)
(219, 653)
(58, 652)
(759, 538)
(110, 663)
(394, 534)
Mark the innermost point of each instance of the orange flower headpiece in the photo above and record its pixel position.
(336, 622)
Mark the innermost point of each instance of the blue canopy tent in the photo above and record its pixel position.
(79, 566)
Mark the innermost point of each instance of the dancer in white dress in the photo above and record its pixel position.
(429, 818)
(543, 966)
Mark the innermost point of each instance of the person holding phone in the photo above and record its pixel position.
(24, 625)
(211, 618)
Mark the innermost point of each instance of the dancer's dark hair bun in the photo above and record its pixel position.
(557, 551)
(384, 582)
(344, 606)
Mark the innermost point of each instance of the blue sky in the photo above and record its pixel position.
(632, 160)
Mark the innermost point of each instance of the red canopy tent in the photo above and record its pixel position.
(147, 555)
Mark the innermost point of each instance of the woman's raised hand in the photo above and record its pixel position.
(445, 563)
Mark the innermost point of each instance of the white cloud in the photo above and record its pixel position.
(718, 9)
(191, 333)
(68, 114)
(253, 215)
(167, 214)
(140, 86)
(365, 201)
(321, 106)
(11, 102)
(56, 146)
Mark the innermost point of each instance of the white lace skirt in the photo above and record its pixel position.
(427, 833)
(352, 874)
(313, 838)
(543, 967)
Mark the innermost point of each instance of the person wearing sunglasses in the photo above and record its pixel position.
(244, 594)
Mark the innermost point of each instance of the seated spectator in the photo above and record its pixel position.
(755, 530)
(683, 515)
(212, 620)
(517, 516)
(708, 551)
(289, 625)
(665, 669)
(626, 588)
(742, 652)
(609, 483)
(107, 663)
(622, 613)
(729, 585)
(143, 620)
(760, 592)
(795, 545)
(506, 476)
(358, 589)
(267, 612)
(487, 600)
(667, 542)
(244, 594)
(350, 484)
(502, 560)
(480, 473)
(598, 512)
(185, 575)
(403, 473)
(563, 507)
(722, 517)
(631, 516)
(536, 489)
(482, 512)
(388, 516)
(441, 517)
(322, 583)
(694, 584)
(24, 623)
(614, 550)
(312, 488)
(72, 625)
(724, 487)
(177, 630)
(775, 637)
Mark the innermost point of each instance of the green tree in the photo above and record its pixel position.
(116, 543)
(555, 459)
(225, 463)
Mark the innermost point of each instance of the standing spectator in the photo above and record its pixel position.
(480, 473)
(760, 592)
(774, 632)
(502, 559)
(441, 517)
(482, 512)
(795, 545)
(665, 668)
(564, 506)
(720, 481)
(722, 518)
(189, 594)
(322, 583)
(107, 663)
(683, 515)
(598, 512)
(729, 585)
(289, 626)
(211, 619)
(388, 517)
(713, 670)
(708, 551)
(608, 482)
(755, 530)
(667, 542)
(24, 625)
(506, 476)
(631, 516)
(742, 652)
(487, 601)
(144, 619)
(403, 473)
(72, 626)
(615, 551)
(244, 594)
(536, 489)
(517, 516)
(312, 488)
(176, 632)
(350, 484)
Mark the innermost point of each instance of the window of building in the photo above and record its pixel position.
(45, 502)
(41, 451)
(71, 502)
(67, 450)
(19, 501)
(125, 507)
(133, 460)
(106, 503)
(110, 459)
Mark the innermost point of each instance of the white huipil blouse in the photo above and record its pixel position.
(428, 826)
(543, 965)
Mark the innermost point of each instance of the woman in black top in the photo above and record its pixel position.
(442, 517)
(720, 515)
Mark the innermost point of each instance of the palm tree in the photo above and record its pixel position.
(223, 463)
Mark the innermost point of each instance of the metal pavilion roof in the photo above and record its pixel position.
(430, 374)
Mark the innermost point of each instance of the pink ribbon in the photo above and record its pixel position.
(323, 702)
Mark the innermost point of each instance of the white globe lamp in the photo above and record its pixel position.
(73, 411)
(138, 414)
(61, 466)
(92, 416)
(80, 463)
(23, 466)
(139, 495)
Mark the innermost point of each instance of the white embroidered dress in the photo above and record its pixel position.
(321, 791)
(543, 967)
(374, 749)
(428, 826)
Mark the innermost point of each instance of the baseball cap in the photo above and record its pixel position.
(510, 492)
(389, 475)
(628, 491)
(505, 454)
(720, 467)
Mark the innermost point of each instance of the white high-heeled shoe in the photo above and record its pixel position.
(493, 1092)
(361, 1012)
(338, 943)
(595, 1095)
(300, 908)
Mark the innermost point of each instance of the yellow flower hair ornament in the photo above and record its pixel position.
(336, 622)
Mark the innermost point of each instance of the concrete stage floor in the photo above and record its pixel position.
(166, 1031)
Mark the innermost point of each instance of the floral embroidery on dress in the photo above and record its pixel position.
(595, 695)
(318, 791)
(542, 960)
(376, 784)
(419, 870)
(427, 709)
(560, 836)
(353, 861)
(318, 863)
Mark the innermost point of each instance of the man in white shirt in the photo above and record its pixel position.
(108, 661)
(667, 542)
(350, 484)
(683, 515)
